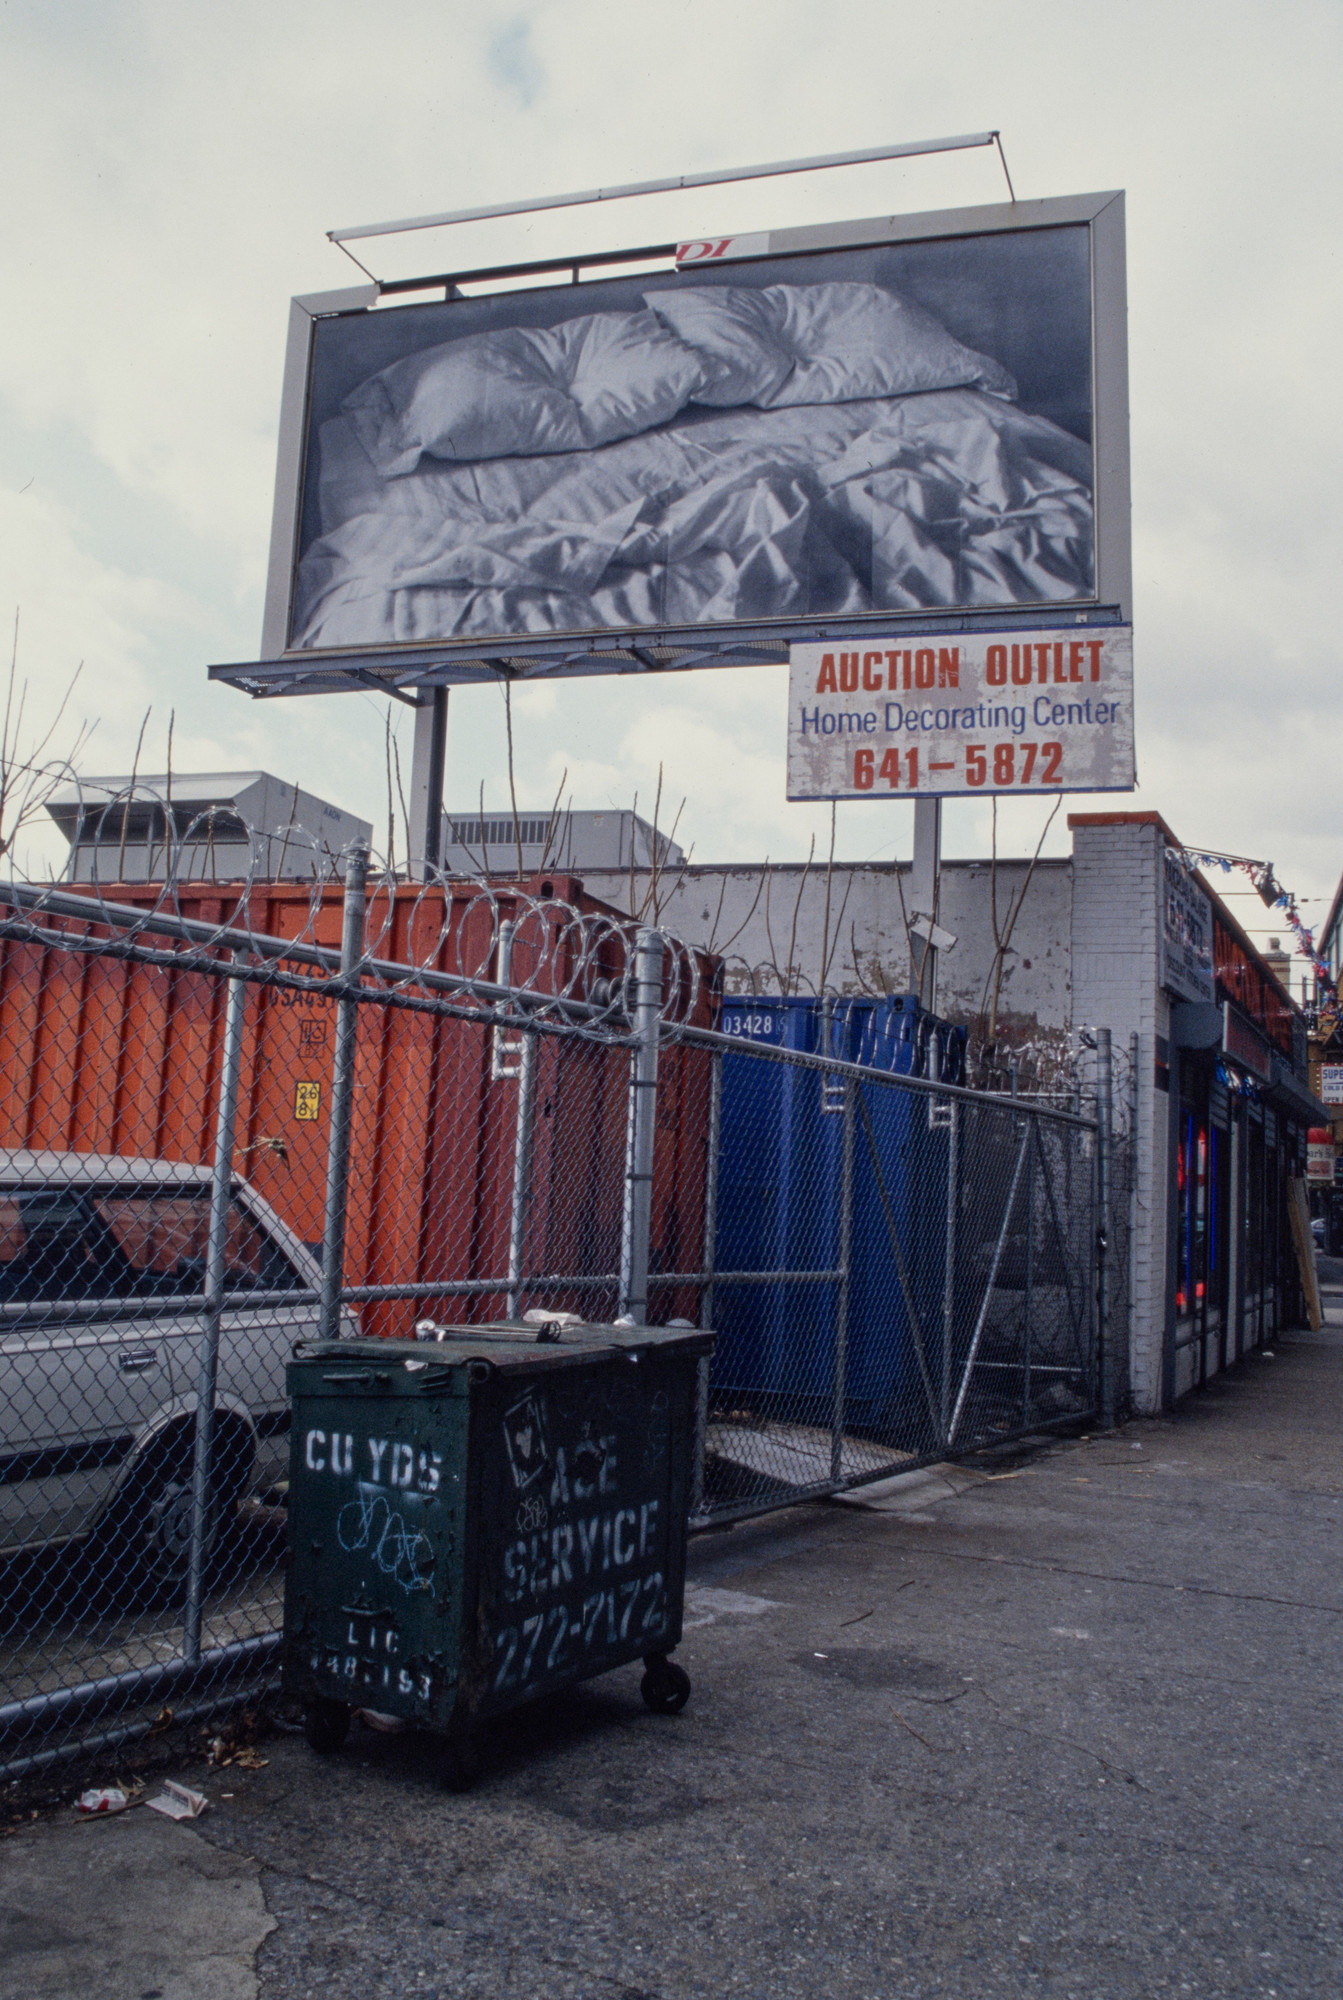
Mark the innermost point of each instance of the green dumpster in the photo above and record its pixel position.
(484, 1518)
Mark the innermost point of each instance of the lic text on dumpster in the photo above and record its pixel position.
(1024, 711)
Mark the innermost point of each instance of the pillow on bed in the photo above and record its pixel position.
(525, 390)
(831, 343)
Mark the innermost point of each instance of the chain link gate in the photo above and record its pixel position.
(899, 1271)
(216, 1142)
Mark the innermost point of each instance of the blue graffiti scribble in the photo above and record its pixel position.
(402, 1553)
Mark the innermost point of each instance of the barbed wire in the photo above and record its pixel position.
(489, 939)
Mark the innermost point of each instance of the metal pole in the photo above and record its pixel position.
(342, 1098)
(1104, 1136)
(500, 1046)
(1124, 1369)
(1030, 1280)
(949, 1266)
(842, 1289)
(707, 1264)
(641, 1128)
(207, 1375)
(924, 885)
(715, 177)
(427, 759)
(522, 1170)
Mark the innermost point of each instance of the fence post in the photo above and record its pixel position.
(342, 1097)
(949, 1263)
(842, 1289)
(640, 1129)
(207, 1374)
(522, 1170)
(1104, 1131)
(707, 1266)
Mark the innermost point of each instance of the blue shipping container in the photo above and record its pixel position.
(780, 1184)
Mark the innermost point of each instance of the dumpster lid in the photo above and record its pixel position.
(507, 1344)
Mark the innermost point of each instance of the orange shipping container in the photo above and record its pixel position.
(97, 1054)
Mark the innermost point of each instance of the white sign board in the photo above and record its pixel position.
(1026, 711)
(1331, 1083)
(1186, 934)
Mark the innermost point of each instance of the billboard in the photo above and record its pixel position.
(1025, 711)
(898, 425)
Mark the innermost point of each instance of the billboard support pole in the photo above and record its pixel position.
(924, 887)
(426, 783)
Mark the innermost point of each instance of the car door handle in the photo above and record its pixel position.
(135, 1360)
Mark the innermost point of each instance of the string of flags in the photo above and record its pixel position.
(1277, 898)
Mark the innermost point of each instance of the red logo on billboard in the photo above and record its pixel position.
(702, 252)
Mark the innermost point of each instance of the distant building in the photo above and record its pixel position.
(568, 842)
(200, 826)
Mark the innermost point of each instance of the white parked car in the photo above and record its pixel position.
(100, 1339)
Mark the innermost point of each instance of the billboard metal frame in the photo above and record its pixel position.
(409, 672)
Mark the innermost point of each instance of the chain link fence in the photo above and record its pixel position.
(902, 1271)
(236, 1118)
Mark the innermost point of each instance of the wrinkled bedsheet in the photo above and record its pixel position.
(946, 498)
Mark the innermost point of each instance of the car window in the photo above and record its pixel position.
(64, 1244)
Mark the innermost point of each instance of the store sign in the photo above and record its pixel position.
(1320, 1154)
(1186, 934)
(1331, 1083)
(1245, 1045)
(1026, 711)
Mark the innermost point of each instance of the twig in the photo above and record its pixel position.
(909, 935)
(797, 906)
(829, 878)
(935, 1748)
(405, 809)
(552, 824)
(1002, 937)
(126, 803)
(759, 891)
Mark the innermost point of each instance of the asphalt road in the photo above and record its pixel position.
(1069, 1730)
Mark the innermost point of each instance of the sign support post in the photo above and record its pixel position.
(426, 783)
(924, 888)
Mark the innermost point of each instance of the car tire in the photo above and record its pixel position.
(144, 1543)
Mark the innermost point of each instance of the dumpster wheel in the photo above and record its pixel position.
(665, 1687)
(326, 1724)
(459, 1762)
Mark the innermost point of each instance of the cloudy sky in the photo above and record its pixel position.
(170, 171)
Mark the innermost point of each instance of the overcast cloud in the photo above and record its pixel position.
(170, 171)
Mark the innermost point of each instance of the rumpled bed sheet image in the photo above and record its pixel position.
(943, 498)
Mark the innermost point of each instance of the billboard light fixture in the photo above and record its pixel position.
(910, 150)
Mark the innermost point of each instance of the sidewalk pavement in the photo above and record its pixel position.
(1070, 1728)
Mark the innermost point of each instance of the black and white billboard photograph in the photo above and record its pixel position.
(890, 427)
